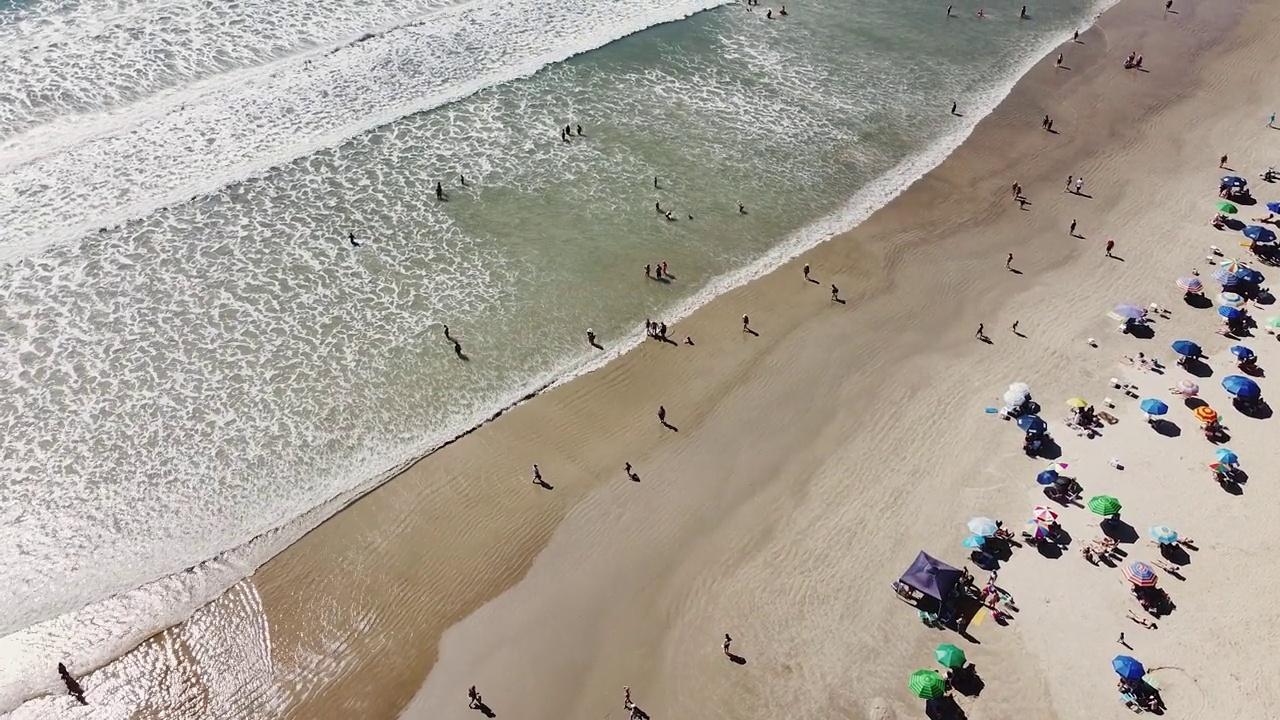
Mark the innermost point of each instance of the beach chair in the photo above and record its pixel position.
(1131, 702)
(928, 618)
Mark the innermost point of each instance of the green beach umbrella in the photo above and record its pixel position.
(1228, 208)
(927, 684)
(1104, 505)
(950, 656)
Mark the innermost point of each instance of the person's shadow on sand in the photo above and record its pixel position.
(736, 659)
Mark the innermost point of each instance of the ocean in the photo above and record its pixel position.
(196, 365)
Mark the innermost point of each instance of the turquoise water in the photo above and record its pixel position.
(194, 354)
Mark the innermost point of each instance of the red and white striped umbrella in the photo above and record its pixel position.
(1044, 515)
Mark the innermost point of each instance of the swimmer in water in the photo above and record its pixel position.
(657, 207)
(439, 191)
(783, 11)
(769, 15)
(742, 209)
(579, 131)
(462, 179)
(670, 216)
(354, 241)
(981, 13)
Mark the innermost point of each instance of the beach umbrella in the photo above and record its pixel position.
(1227, 208)
(1126, 312)
(1273, 207)
(927, 684)
(1206, 414)
(1047, 477)
(1044, 514)
(1251, 276)
(1227, 455)
(1230, 313)
(1190, 284)
(1220, 467)
(1186, 387)
(1152, 406)
(1241, 387)
(1078, 403)
(1241, 352)
(1140, 574)
(1104, 505)
(1231, 265)
(1226, 278)
(1020, 387)
(1186, 348)
(984, 526)
(1234, 181)
(1273, 322)
(1230, 299)
(1163, 534)
(1032, 424)
(1057, 467)
(1036, 530)
(1014, 399)
(973, 542)
(1128, 668)
(1259, 234)
(950, 656)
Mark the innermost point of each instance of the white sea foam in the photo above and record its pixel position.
(107, 168)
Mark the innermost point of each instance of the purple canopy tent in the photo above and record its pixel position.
(931, 576)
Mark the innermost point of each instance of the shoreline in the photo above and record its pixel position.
(863, 204)
(273, 588)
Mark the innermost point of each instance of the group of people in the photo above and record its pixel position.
(566, 133)
(768, 15)
(1133, 62)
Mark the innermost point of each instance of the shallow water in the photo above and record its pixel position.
(193, 354)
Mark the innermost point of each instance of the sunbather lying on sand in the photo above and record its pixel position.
(1141, 620)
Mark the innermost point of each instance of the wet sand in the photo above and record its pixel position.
(814, 459)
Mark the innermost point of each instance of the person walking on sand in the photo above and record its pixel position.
(1080, 185)
(835, 293)
(1168, 5)
(1072, 231)
(591, 337)
(1008, 262)
(1222, 161)
(806, 271)
(948, 11)
(1070, 179)
(473, 698)
(662, 414)
(953, 107)
(981, 334)
(1058, 62)
(1014, 327)
(537, 475)
(1075, 36)
(1121, 639)
(725, 646)
(1271, 121)
(1111, 245)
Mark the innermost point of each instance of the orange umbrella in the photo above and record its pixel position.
(1204, 413)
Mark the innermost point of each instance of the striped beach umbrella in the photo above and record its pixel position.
(1220, 467)
(1231, 265)
(1044, 514)
(1186, 387)
(1206, 414)
(1230, 299)
(1140, 574)
(1058, 467)
(1163, 534)
(1104, 505)
(1190, 284)
(1035, 530)
(927, 684)
(1225, 278)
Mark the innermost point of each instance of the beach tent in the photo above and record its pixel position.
(931, 576)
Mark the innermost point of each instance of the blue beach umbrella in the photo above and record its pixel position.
(1234, 181)
(1225, 277)
(1163, 534)
(1241, 387)
(1032, 423)
(1241, 352)
(1273, 207)
(1251, 276)
(1257, 233)
(973, 542)
(1227, 455)
(1152, 406)
(1047, 477)
(1127, 667)
(1186, 348)
(1229, 313)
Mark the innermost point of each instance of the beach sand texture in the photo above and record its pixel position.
(813, 460)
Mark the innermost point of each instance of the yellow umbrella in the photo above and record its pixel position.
(1078, 403)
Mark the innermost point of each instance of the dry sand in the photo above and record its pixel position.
(813, 461)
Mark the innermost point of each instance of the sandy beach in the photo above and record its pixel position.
(807, 464)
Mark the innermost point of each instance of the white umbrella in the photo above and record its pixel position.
(1013, 399)
(1020, 387)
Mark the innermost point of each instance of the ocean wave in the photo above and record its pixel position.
(125, 164)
